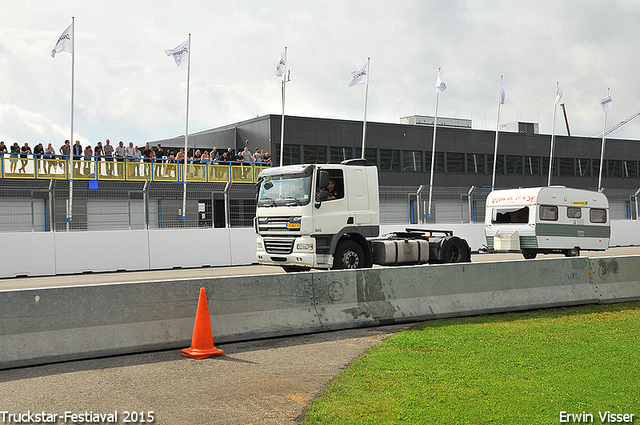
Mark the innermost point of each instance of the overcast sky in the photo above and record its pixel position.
(126, 88)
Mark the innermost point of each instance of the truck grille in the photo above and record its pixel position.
(272, 223)
(278, 245)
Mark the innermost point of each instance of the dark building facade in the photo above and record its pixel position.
(464, 157)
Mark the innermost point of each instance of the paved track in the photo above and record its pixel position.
(144, 276)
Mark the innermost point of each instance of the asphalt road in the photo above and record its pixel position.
(123, 277)
(256, 382)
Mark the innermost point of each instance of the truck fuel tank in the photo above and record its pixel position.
(389, 252)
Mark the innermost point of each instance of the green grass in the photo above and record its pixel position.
(517, 368)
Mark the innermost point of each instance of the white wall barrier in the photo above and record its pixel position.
(51, 253)
(55, 324)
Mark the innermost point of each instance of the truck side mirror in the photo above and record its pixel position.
(323, 180)
(323, 194)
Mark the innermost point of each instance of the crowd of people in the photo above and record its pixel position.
(117, 155)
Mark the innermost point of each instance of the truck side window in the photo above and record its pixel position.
(336, 185)
(574, 212)
(597, 215)
(548, 213)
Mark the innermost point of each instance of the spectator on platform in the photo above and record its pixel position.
(88, 157)
(77, 154)
(266, 158)
(246, 155)
(108, 156)
(3, 148)
(214, 154)
(24, 157)
(38, 152)
(160, 156)
(49, 155)
(13, 157)
(121, 154)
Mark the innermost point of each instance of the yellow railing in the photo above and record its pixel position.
(122, 169)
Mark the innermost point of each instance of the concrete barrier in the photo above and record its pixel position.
(55, 324)
(54, 253)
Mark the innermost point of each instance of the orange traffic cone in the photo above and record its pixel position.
(202, 340)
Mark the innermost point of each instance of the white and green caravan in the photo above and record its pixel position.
(546, 220)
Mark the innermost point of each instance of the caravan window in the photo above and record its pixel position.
(597, 215)
(574, 212)
(510, 215)
(548, 213)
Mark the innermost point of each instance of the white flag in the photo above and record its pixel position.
(180, 54)
(606, 103)
(440, 85)
(64, 43)
(281, 65)
(558, 95)
(502, 95)
(359, 76)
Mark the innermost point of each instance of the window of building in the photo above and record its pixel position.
(315, 154)
(596, 167)
(566, 167)
(499, 164)
(291, 154)
(455, 162)
(439, 163)
(629, 169)
(532, 165)
(597, 215)
(371, 155)
(514, 164)
(545, 166)
(339, 154)
(574, 212)
(548, 213)
(582, 167)
(475, 163)
(389, 160)
(412, 160)
(615, 168)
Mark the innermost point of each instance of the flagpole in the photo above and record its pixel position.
(73, 67)
(553, 136)
(284, 83)
(433, 148)
(604, 126)
(186, 138)
(366, 96)
(495, 148)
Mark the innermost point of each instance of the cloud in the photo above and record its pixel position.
(127, 88)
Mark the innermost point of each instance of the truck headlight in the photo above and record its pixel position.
(304, 247)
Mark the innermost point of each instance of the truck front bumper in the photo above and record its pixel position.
(301, 253)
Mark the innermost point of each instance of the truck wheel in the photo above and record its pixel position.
(455, 251)
(349, 255)
(529, 254)
(574, 252)
(293, 269)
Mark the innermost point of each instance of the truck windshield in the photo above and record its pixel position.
(288, 190)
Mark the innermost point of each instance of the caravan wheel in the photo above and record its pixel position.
(574, 252)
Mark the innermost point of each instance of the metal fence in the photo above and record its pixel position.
(127, 170)
(28, 205)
